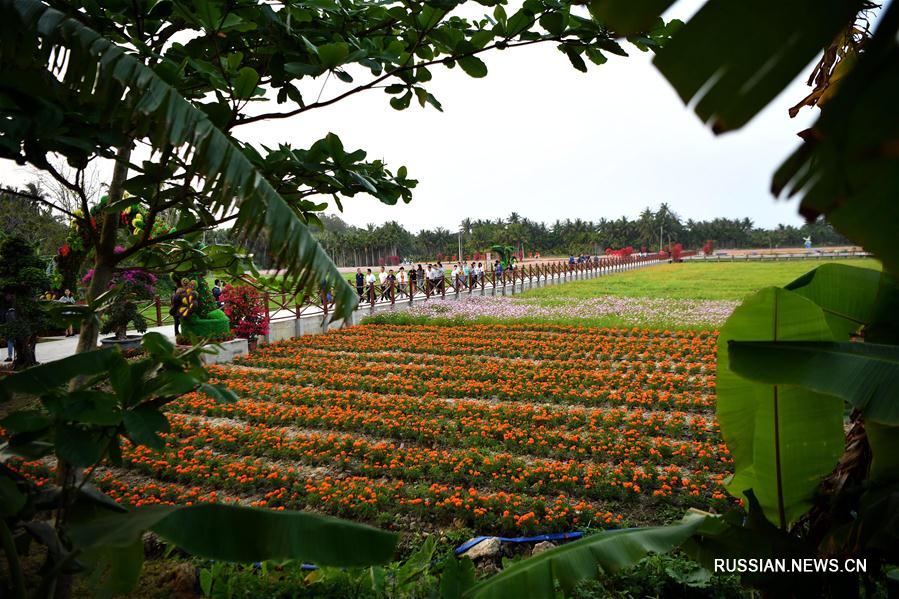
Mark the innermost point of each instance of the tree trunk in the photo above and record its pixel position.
(25, 353)
(105, 260)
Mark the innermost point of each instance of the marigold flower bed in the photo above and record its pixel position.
(500, 428)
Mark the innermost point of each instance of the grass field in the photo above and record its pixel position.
(691, 280)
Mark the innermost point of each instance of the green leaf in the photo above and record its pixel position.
(114, 570)
(332, 55)
(401, 102)
(884, 441)
(80, 446)
(245, 83)
(473, 66)
(44, 378)
(783, 440)
(733, 58)
(11, 499)
(602, 553)
(457, 577)
(864, 374)
(575, 58)
(241, 534)
(417, 563)
(626, 17)
(847, 295)
(26, 421)
(144, 424)
(554, 22)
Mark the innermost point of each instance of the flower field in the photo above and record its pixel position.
(508, 428)
(626, 311)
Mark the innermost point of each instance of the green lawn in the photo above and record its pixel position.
(691, 280)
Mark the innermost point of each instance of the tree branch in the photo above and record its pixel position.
(387, 75)
(38, 199)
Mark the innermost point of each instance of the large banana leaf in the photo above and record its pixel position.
(884, 441)
(604, 552)
(625, 17)
(243, 534)
(135, 99)
(783, 440)
(848, 168)
(732, 58)
(847, 294)
(864, 374)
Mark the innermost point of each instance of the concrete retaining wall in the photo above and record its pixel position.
(226, 351)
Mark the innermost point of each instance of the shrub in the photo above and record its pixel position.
(245, 308)
(708, 247)
(133, 285)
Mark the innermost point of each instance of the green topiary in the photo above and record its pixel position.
(215, 324)
(206, 299)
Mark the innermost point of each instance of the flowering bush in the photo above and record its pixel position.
(245, 308)
(708, 248)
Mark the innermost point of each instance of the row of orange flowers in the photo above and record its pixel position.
(551, 342)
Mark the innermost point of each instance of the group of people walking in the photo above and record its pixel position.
(431, 278)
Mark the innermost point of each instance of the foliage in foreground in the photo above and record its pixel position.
(81, 421)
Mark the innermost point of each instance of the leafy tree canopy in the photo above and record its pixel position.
(88, 79)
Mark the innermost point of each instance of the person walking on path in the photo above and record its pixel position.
(175, 302)
(413, 279)
(9, 317)
(401, 280)
(68, 298)
(382, 278)
(370, 282)
(360, 283)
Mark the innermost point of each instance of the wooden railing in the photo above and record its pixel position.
(286, 305)
(763, 256)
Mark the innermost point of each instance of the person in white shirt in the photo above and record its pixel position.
(439, 276)
(382, 277)
(370, 284)
(455, 275)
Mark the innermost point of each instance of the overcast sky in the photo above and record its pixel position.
(549, 142)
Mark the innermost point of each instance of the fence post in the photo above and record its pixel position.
(266, 297)
(392, 293)
(158, 303)
(324, 296)
(443, 287)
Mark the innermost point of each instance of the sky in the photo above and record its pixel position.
(539, 138)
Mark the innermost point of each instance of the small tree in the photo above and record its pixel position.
(133, 286)
(22, 278)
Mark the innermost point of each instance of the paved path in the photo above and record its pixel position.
(57, 348)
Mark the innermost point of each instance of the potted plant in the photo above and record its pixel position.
(134, 285)
(245, 308)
